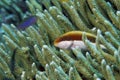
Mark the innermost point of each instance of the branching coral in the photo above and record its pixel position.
(31, 55)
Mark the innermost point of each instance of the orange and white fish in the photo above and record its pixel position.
(73, 39)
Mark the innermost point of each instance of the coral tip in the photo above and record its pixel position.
(73, 39)
(64, 0)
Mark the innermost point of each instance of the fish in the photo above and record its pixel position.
(12, 61)
(73, 39)
(27, 22)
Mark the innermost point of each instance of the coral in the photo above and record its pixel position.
(12, 11)
(30, 54)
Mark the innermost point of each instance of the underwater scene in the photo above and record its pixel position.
(59, 39)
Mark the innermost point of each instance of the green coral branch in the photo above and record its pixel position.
(37, 58)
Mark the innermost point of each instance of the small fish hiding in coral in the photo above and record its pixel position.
(12, 61)
(73, 39)
(27, 22)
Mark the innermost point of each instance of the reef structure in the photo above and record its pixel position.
(30, 54)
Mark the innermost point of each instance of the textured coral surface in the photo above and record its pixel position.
(27, 50)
